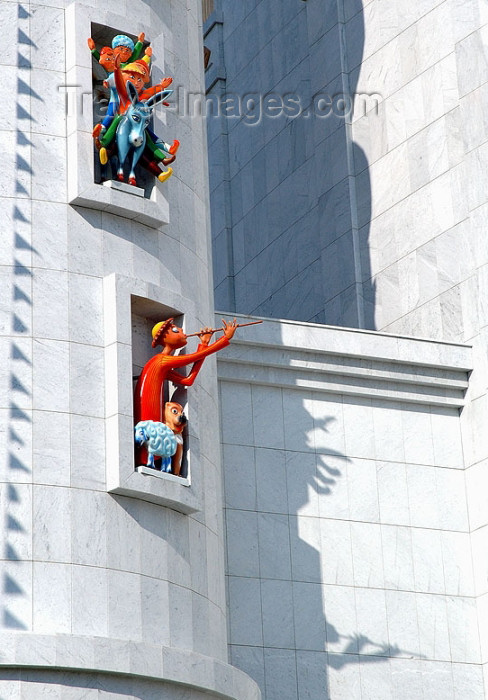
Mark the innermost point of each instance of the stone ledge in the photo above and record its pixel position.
(163, 489)
(122, 202)
(166, 476)
(347, 361)
(65, 652)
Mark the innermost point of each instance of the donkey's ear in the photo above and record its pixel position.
(158, 97)
(132, 92)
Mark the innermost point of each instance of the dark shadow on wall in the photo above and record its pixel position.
(366, 285)
(314, 640)
(15, 584)
(291, 195)
(316, 632)
(345, 204)
(361, 205)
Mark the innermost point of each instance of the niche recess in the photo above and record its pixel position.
(131, 309)
(102, 36)
(147, 206)
(144, 316)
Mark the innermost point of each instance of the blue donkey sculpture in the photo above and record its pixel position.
(131, 132)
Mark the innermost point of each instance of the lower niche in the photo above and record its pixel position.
(144, 316)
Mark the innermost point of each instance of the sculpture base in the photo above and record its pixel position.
(124, 187)
(162, 475)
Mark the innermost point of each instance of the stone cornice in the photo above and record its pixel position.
(84, 654)
(348, 362)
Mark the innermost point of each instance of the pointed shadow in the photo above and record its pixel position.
(22, 38)
(18, 413)
(22, 244)
(21, 270)
(15, 463)
(20, 295)
(12, 622)
(13, 436)
(14, 524)
(13, 495)
(11, 586)
(10, 553)
(24, 114)
(18, 325)
(23, 62)
(23, 165)
(16, 385)
(18, 215)
(17, 354)
(24, 89)
(22, 140)
(20, 189)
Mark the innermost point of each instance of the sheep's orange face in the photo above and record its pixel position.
(174, 416)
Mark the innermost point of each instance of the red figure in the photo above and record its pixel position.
(149, 392)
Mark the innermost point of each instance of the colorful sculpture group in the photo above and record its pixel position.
(124, 132)
(159, 425)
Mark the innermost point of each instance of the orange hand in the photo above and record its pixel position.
(205, 335)
(165, 82)
(91, 44)
(148, 51)
(229, 329)
(141, 36)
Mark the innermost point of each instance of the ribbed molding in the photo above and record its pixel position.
(67, 652)
(349, 362)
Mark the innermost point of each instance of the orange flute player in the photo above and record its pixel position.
(149, 392)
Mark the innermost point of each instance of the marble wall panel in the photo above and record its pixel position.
(52, 517)
(280, 673)
(476, 495)
(51, 598)
(17, 614)
(420, 189)
(272, 494)
(375, 545)
(51, 451)
(49, 321)
(418, 133)
(87, 452)
(76, 560)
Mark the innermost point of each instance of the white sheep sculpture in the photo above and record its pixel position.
(159, 440)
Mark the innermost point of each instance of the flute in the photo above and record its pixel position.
(215, 330)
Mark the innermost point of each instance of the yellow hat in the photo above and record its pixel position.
(135, 68)
(159, 330)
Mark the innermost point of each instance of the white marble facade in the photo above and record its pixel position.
(355, 515)
(351, 564)
(376, 221)
(105, 591)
